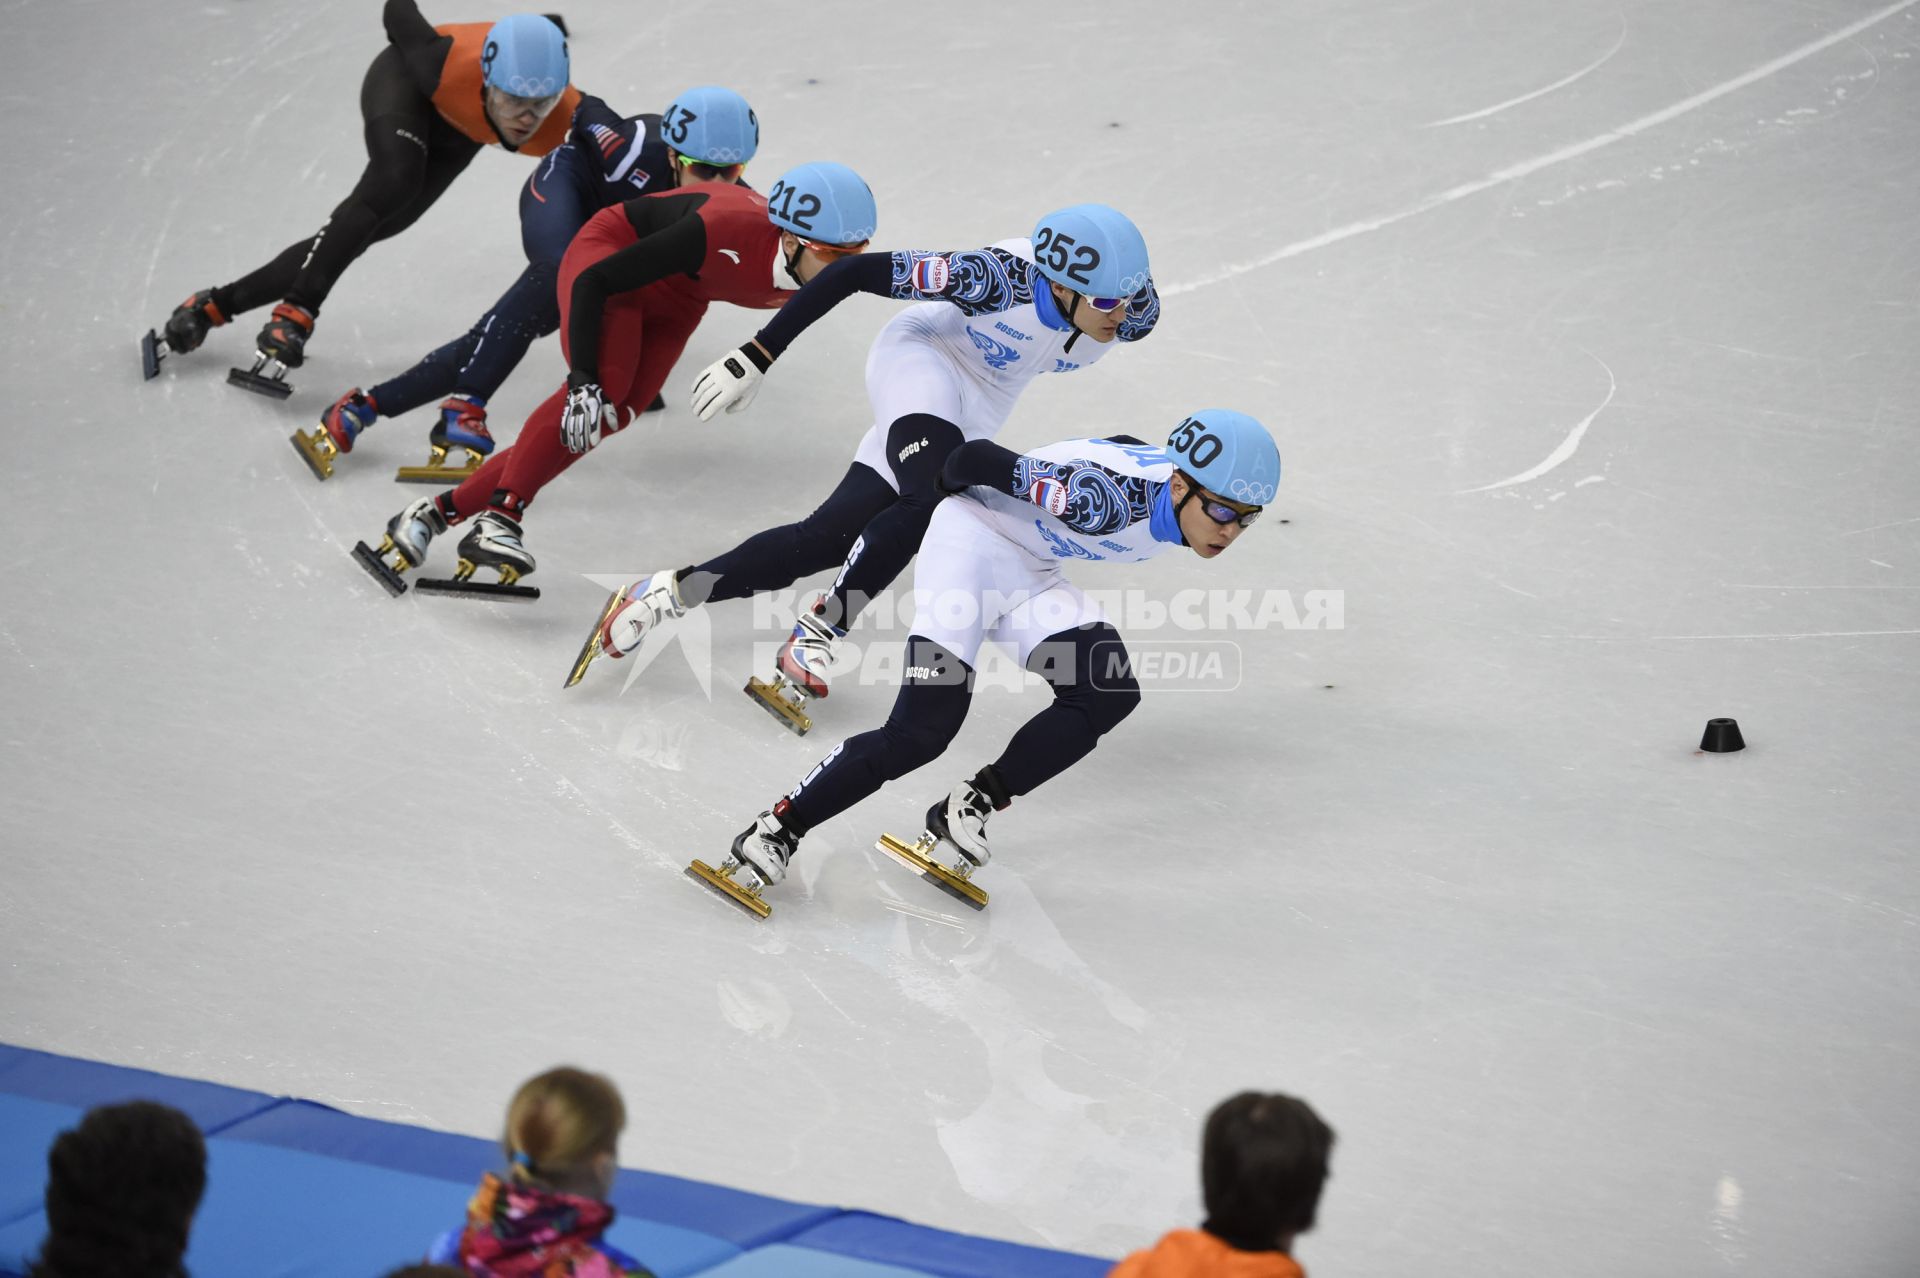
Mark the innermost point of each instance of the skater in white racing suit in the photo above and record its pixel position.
(940, 373)
(992, 567)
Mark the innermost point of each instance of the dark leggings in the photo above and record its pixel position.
(917, 446)
(1093, 690)
(554, 204)
(412, 157)
(781, 556)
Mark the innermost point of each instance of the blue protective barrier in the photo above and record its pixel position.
(298, 1190)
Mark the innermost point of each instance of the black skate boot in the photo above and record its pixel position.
(184, 330)
(493, 542)
(281, 345)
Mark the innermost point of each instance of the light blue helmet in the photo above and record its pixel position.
(1229, 454)
(1091, 249)
(526, 55)
(712, 125)
(825, 202)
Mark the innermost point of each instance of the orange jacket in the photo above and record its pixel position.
(460, 96)
(1193, 1253)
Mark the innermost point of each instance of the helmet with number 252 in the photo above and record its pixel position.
(1091, 249)
(1229, 454)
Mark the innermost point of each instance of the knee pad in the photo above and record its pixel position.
(917, 446)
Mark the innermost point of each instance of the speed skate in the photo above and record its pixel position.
(591, 648)
(268, 376)
(746, 896)
(917, 856)
(784, 700)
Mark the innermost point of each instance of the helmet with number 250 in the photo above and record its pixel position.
(1091, 249)
(711, 125)
(824, 202)
(1229, 454)
(526, 55)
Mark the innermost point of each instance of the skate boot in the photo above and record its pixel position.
(281, 345)
(960, 822)
(462, 424)
(493, 542)
(339, 426)
(408, 534)
(630, 613)
(961, 818)
(184, 330)
(759, 860)
(803, 667)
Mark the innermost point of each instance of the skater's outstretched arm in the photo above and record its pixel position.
(1084, 495)
(978, 281)
(673, 241)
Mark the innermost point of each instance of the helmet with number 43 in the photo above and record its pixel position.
(711, 125)
(1091, 249)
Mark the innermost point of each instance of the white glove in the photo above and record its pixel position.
(729, 383)
(583, 417)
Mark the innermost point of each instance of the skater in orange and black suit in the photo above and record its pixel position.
(432, 98)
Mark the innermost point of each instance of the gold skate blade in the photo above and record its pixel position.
(771, 698)
(723, 883)
(382, 571)
(466, 589)
(316, 450)
(915, 857)
(251, 379)
(591, 648)
(437, 472)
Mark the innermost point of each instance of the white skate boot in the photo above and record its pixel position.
(408, 535)
(493, 542)
(759, 860)
(646, 603)
(802, 669)
(960, 822)
(807, 659)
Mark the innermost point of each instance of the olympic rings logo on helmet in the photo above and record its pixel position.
(1134, 283)
(1253, 492)
(721, 156)
(522, 87)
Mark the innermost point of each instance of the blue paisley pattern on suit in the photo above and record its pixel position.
(978, 281)
(1099, 501)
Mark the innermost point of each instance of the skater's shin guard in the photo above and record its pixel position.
(926, 716)
(1093, 690)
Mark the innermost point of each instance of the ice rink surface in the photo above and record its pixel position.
(1588, 332)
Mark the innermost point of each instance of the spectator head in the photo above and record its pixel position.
(563, 1130)
(122, 1188)
(1262, 1166)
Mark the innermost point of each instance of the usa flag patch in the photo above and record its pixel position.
(1049, 495)
(930, 275)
